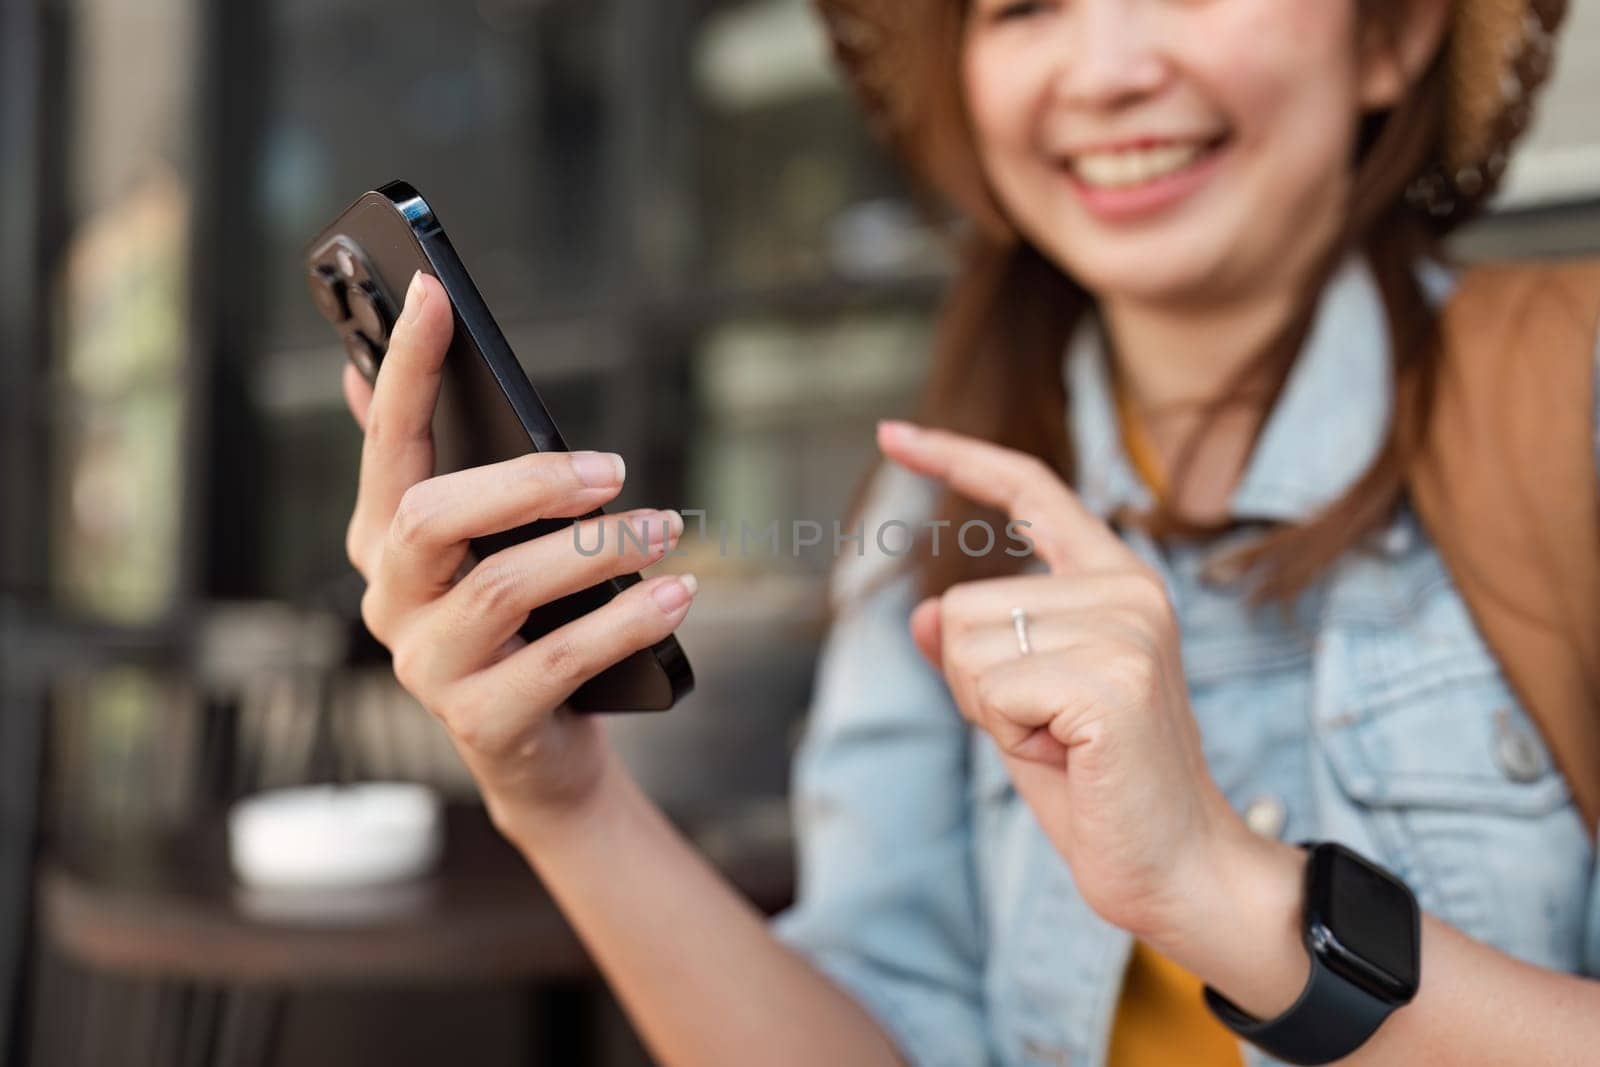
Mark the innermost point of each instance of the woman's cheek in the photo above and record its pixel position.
(1293, 135)
(1000, 104)
(1285, 70)
(1303, 151)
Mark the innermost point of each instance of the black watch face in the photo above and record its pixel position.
(1363, 922)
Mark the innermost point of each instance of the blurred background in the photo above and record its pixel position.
(702, 261)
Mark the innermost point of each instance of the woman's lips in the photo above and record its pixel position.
(1131, 185)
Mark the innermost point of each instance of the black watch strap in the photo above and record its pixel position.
(1331, 1019)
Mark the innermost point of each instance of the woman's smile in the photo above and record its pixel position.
(1135, 179)
(1164, 154)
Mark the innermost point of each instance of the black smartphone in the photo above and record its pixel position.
(358, 269)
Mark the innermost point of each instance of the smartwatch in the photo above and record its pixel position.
(1362, 930)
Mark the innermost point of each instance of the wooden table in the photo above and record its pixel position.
(178, 917)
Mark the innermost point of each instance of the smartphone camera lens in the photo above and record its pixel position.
(368, 311)
(327, 291)
(363, 353)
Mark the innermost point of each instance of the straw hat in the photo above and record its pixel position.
(1499, 53)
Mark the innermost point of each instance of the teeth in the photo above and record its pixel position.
(1116, 169)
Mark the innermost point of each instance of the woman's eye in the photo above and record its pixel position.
(1017, 9)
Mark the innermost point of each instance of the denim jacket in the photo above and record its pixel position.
(1379, 719)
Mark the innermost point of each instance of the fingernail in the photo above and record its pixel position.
(596, 469)
(897, 429)
(673, 594)
(416, 296)
(656, 527)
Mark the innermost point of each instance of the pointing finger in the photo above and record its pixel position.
(1068, 535)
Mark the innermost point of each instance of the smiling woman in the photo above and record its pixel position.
(1285, 136)
(1230, 129)
(1043, 802)
(1227, 216)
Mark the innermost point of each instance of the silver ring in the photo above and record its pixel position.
(1019, 623)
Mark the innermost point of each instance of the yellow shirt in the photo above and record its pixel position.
(1162, 1019)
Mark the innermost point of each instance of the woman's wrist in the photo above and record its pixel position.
(541, 829)
(1240, 930)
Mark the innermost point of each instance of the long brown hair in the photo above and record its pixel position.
(1008, 315)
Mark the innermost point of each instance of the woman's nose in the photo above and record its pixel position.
(1112, 53)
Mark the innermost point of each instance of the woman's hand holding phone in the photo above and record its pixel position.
(451, 622)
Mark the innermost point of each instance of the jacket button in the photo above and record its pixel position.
(1397, 539)
(1518, 752)
(1218, 570)
(1266, 815)
(1046, 1052)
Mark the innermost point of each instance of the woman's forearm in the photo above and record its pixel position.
(1477, 1005)
(1474, 1005)
(693, 963)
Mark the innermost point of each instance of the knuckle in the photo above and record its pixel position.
(383, 433)
(647, 616)
(543, 481)
(492, 588)
(642, 622)
(372, 613)
(970, 711)
(1013, 742)
(377, 426)
(468, 713)
(963, 649)
(355, 548)
(1145, 586)
(1149, 583)
(956, 610)
(409, 662)
(550, 472)
(561, 662)
(415, 516)
(1034, 467)
(639, 623)
(1130, 671)
(1148, 596)
(467, 728)
(986, 695)
(1135, 628)
(460, 708)
(1156, 596)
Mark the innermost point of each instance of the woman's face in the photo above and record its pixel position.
(1168, 149)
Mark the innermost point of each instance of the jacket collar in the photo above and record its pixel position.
(1326, 429)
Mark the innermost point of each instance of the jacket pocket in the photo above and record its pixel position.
(1424, 718)
(1438, 772)
(1443, 738)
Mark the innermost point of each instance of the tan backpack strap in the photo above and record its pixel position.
(1508, 488)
